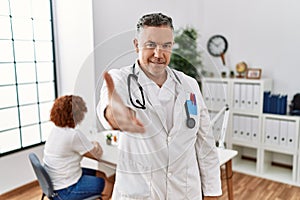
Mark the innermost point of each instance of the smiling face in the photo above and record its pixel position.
(154, 48)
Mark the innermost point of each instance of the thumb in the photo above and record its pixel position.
(110, 84)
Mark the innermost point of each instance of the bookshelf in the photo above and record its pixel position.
(268, 144)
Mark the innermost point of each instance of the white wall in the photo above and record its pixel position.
(262, 33)
(75, 43)
(265, 33)
(115, 23)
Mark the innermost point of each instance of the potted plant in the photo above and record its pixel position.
(186, 56)
(109, 138)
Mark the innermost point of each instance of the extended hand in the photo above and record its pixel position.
(118, 115)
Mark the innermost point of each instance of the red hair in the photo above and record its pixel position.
(68, 111)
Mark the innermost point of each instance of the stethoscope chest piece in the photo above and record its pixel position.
(190, 123)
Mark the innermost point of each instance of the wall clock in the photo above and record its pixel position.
(217, 45)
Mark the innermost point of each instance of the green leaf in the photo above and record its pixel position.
(186, 56)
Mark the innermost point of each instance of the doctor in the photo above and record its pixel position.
(167, 150)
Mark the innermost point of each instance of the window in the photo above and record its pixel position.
(27, 73)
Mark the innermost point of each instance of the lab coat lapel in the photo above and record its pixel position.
(151, 97)
(179, 114)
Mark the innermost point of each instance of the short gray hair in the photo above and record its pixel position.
(154, 19)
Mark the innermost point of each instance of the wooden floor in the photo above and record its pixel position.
(245, 188)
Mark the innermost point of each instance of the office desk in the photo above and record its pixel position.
(225, 157)
(110, 156)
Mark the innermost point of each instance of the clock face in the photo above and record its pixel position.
(217, 45)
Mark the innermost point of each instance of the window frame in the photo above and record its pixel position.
(39, 121)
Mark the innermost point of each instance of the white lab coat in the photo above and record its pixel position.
(159, 164)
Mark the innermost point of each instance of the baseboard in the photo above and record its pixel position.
(19, 190)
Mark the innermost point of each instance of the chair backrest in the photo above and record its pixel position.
(42, 176)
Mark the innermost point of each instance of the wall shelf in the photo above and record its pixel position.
(267, 144)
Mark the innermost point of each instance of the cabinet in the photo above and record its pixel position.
(267, 144)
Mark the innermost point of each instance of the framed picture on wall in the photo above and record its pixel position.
(253, 73)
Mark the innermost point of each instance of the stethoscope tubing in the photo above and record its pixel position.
(190, 122)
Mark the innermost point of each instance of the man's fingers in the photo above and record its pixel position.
(124, 121)
(110, 84)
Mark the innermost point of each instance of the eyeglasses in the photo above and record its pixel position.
(153, 45)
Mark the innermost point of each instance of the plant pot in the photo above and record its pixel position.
(108, 142)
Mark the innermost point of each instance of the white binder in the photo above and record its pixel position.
(268, 131)
(255, 129)
(243, 96)
(256, 97)
(248, 121)
(249, 96)
(275, 132)
(235, 126)
(219, 95)
(291, 134)
(224, 94)
(242, 127)
(283, 133)
(237, 95)
(212, 89)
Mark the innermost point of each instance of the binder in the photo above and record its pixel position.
(278, 104)
(219, 93)
(282, 104)
(249, 96)
(237, 95)
(224, 94)
(274, 102)
(212, 89)
(266, 102)
(283, 133)
(235, 126)
(242, 129)
(268, 130)
(256, 96)
(255, 129)
(243, 96)
(291, 134)
(248, 128)
(275, 131)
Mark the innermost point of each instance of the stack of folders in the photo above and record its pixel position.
(246, 128)
(246, 96)
(274, 103)
(280, 132)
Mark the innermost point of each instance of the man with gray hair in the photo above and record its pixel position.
(167, 149)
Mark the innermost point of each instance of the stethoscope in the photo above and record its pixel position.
(190, 122)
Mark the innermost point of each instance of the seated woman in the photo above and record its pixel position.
(65, 148)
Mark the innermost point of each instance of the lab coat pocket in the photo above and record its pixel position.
(135, 182)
